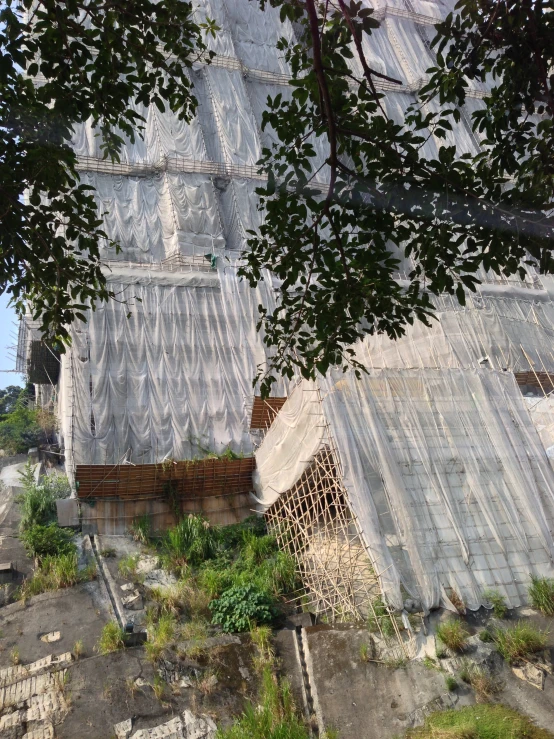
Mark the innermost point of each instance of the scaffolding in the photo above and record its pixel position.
(314, 523)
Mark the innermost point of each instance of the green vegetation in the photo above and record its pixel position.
(112, 638)
(478, 722)
(224, 565)
(241, 607)
(451, 683)
(480, 679)
(54, 573)
(140, 529)
(453, 635)
(127, 566)
(273, 716)
(541, 592)
(161, 632)
(8, 399)
(497, 602)
(380, 619)
(44, 539)
(519, 641)
(190, 542)
(47, 541)
(38, 500)
(78, 649)
(21, 425)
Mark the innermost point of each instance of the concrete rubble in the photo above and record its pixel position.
(32, 698)
(185, 726)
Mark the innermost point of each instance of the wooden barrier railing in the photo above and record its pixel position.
(187, 479)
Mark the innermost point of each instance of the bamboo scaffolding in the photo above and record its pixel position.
(314, 523)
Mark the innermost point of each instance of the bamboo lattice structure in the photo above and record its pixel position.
(314, 523)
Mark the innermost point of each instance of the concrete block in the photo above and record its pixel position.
(68, 512)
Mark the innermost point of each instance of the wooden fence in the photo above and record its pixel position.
(188, 479)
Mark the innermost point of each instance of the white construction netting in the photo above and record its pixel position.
(445, 472)
(443, 466)
(173, 378)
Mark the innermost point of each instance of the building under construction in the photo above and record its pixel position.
(427, 479)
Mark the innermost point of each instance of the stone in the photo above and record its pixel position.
(147, 563)
(123, 729)
(132, 601)
(52, 636)
(127, 586)
(531, 674)
(159, 578)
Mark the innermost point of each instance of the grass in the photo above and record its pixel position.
(213, 560)
(195, 633)
(262, 638)
(274, 716)
(479, 722)
(159, 686)
(78, 648)
(15, 657)
(127, 567)
(161, 632)
(541, 593)
(54, 573)
(108, 552)
(112, 638)
(364, 652)
(451, 683)
(499, 606)
(481, 680)
(140, 529)
(381, 620)
(519, 641)
(453, 635)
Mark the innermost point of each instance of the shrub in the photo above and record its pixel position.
(240, 608)
(54, 573)
(140, 529)
(497, 602)
(453, 634)
(541, 592)
(38, 501)
(112, 638)
(190, 542)
(20, 429)
(519, 641)
(43, 541)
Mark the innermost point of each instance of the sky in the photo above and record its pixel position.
(8, 338)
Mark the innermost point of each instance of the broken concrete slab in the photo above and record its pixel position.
(51, 636)
(530, 673)
(367, 699)
(185, 726)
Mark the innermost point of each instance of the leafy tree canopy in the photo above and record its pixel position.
(455, 214)
(336, 250)
(8, 398)
(64, 62)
